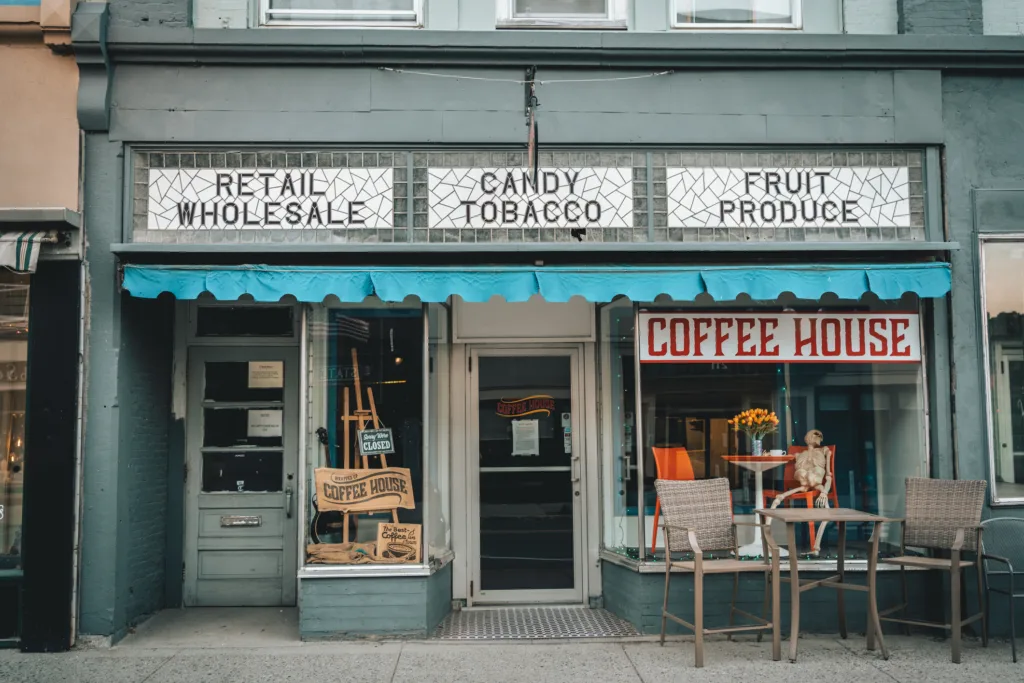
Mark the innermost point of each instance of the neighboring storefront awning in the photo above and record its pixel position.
(519, 283)
(19, 251)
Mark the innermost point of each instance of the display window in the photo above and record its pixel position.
(375, 396)
(1003, 320)
(14, 300)
(755, 392)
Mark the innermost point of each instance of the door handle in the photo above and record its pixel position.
(288, 501)
(575, 469)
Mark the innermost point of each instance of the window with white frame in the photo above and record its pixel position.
(354, 12)
(561, 12)
(709, 14)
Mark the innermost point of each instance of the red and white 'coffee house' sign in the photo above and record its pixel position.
(720, 336)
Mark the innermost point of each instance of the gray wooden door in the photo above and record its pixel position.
(242, 462)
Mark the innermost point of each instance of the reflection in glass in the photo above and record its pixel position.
(526, 491)
(363, 350)
(14, 298)
(1004, 315)
(561, 8)
(871, 414)
(712, 12)
(234, 427)
(234, 381)
(239, 472)
(345, 10)
(621, 492)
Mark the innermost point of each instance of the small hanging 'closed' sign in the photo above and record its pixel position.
(376, 442)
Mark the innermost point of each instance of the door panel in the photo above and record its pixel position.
(527, 476)
(242, 461)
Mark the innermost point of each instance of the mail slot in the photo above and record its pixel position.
(241, 520)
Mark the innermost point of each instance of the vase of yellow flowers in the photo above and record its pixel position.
(756, 423)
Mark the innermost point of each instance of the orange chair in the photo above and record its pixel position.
(789, 483)
(674, 464)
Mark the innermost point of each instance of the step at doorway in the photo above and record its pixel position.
(533, 623)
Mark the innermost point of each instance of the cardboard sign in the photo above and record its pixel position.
(399, 542)
(720, 336)
(376, 442)
(267, 374)
(363, 490)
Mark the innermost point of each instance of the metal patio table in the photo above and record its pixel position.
(840, 516)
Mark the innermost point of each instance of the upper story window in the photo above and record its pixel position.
(731, 14)
(562, 13)
(343, 12)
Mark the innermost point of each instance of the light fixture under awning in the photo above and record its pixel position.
(519, 283)
(19, 251)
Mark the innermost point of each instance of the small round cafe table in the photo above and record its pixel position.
(758, 464)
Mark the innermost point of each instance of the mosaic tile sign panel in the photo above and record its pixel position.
(581, 197)
(846, 197)
(515, 198)
(270, 198)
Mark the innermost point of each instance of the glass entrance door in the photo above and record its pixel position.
(528, 476)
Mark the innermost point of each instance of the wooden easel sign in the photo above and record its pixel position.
(364, 490)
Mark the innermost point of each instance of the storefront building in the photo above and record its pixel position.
(40, 322)
(530, 324)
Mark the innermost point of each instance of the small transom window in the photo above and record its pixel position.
(737, 14)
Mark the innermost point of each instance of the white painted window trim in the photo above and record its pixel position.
(307, 18)
(616, 18)
(796, 7)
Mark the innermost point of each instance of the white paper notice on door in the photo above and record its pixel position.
(265, 423)
(525, 437)
(266, 374)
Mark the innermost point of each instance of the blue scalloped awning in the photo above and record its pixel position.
(554, 283)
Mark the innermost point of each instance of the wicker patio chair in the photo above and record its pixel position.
(698, 519)
(942, 515)
(1003, 553)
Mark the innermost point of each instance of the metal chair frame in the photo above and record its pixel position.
(685, 539)
(991, 525)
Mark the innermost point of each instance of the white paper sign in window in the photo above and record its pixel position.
(525, 437)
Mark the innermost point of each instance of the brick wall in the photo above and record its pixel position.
(941, 17)
(145, 397)
(169, 13)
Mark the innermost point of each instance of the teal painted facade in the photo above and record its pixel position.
(955, 98)
(358, 607)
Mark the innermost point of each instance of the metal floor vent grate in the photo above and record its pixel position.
(529, 623)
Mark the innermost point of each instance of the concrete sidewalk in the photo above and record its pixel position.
(824, 659)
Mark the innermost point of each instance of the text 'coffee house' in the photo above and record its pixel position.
(461, 378)
(780, 337)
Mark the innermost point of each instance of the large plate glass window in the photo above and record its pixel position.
(13, 366)
(342, 12)
(375, 368)
(1002, 263)
(759, 14)
(561, 12)
(856, 377)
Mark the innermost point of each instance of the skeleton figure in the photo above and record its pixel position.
(813, 471)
